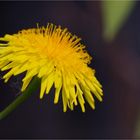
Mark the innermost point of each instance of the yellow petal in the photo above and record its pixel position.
(50, 81)
(89, 98)
(45, 70)
(57, 93)
(43, 86)
(94, 91)
(22, 67)
(81, 101)
(72, 95)
(26, 83)
(10, 65)
(3, 63)
(64, 101)
(10, 73)
(30, 73)
(57, 79)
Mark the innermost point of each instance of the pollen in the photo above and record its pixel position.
(56, 57)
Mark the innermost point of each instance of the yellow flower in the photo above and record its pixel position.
(55, 56)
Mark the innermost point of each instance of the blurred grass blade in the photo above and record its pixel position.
(114, 15)
(137, 127)
(19, 100)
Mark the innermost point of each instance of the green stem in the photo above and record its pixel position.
(25, 95)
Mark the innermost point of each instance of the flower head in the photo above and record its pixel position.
(55, 56)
